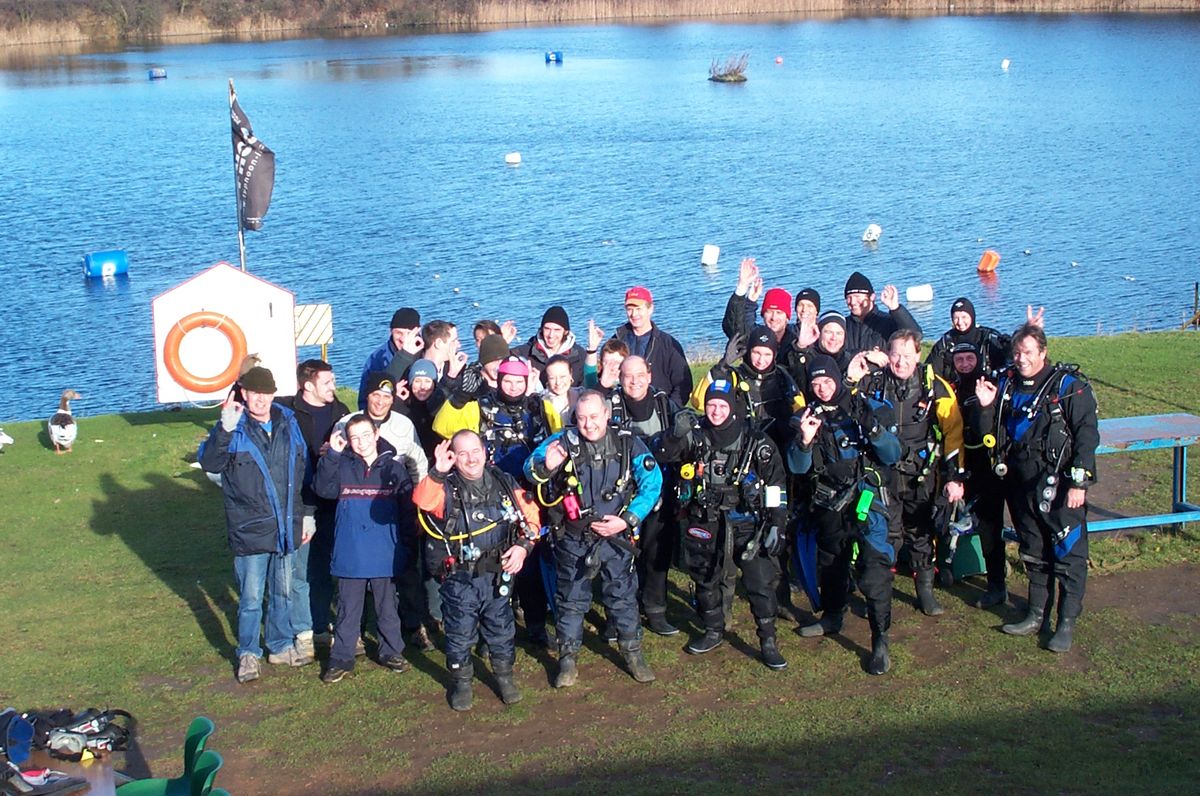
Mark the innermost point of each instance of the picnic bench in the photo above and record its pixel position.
(1152, 432)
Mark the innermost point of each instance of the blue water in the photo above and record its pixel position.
(390, 170)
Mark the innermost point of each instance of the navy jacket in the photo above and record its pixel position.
(380, 359)
(261, 477)
(374, 509)
(875, 328)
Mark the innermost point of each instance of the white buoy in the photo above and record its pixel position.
(1074, 264)
(456, 290)
(1131, 279)
(1004, 64)
(710, 255)
(474, 303)
(919, 293)
(513, 158)
(872, 233)
(1028, 252)
(437, 276)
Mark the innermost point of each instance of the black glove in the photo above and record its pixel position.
(774, 540)
(734, 349)
(685, 422)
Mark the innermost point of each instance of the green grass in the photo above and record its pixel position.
(116, 590)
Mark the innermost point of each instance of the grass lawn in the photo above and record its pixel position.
(117, 590)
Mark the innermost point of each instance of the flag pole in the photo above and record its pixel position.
(237, 192)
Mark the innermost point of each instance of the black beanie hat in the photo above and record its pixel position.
(823, 365)
(258, 379)
(492, 349)
(831, 316)
(963, 304)
(406, 318)
(857, 283)
(762, 337)
(558, 315)
(808, 294)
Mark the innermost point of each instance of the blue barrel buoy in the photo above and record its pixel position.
(554, 56)
(158, 73)
(100, 265)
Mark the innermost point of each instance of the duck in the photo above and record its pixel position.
(61, 427)
(4, 440)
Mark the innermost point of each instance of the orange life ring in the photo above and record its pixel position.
(204, 320)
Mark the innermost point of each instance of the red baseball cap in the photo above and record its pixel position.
(638, 293)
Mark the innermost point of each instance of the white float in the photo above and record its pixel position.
(919, 293)
(1005, 64)
(872, 233)
(513, 158)
(710, 255)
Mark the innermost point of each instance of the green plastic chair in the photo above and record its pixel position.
(207, 766)
(193, 746)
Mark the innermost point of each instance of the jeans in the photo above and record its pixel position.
(270, 573)
(298, 595)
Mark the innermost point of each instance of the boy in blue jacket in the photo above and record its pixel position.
(374, 494)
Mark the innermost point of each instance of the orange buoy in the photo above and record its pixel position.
(988, 262)
(779, 59)
(207, 320)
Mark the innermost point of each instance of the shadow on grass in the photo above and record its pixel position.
(1106, 746)
(164, 524)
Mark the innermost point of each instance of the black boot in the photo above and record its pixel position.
(509, 693)
(879, 662)
(828, 625)
(770, 650)
(657, 624)
(714, 634)
(1061, 640)
(1031, 624)
(995, 595)
(460, 685)
(929, 603)
(568, 674)
(631, 651)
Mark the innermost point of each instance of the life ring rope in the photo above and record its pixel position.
(204, 320)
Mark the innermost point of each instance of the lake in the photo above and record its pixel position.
(392, 188)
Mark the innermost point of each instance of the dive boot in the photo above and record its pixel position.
(460, 685)
(827, 625)
(568, 673)
(509, 693)
(1031, 624)
(657, 624)
(631, 651)
(771, 655)
(714, 634)
(995, 595)
(880, 661)
(1061, 640)
(929, 603)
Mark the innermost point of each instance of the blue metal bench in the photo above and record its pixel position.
(1152, 432)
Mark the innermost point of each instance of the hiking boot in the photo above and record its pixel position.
(995, 595)
(658, 625)
(1061, 640)
(360, 648)
(568, 673)
(420, 639)
(929, 604)
(711, 639)
(825, 626)
(460, 686)
(334, 674)
(880, 662)
(631, 651)
(290, 656)
(304, 645)
(771, 655)
(322, 639)
(1027, 626)
(509, 693)
(396, 663)
(248, 668)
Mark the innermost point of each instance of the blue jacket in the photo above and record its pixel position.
(379, 360)
(261, 477)
(374, 509)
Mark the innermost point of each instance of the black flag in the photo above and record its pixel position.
(254, 168)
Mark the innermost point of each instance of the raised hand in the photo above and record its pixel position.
(402, 391)
(444, 457)
(858, 367)
(890, 297)
(756, 289)
(595, 335)
(456, 364)
(508, 330)
(810, 424)
(1036, 318)
(337, 440)
(986, 392)
(808, 335)
(413, 342)
(747, 273)
(556, 454)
